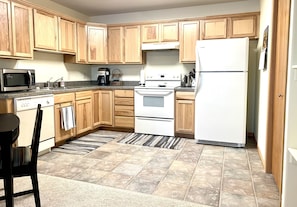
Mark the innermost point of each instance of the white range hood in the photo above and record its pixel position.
(160, 46)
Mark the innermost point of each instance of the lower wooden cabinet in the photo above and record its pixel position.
(185, 113)
(63, 100)
(84, 109)
(102, 108)
(124, 108)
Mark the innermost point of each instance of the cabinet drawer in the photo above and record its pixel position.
(122, 121)
(124, 93)
(124, 101)
(65, 97)
(185, 95)
(83, 95)
(124, 110)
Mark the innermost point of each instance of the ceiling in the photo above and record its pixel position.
(106, 7)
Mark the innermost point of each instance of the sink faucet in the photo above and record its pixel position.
(59, 83)
(48, 83)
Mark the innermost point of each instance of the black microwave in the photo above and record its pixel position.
(16, 79)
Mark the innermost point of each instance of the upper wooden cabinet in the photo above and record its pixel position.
(16, 33)
(213, 28)
(188, 35)
(115, 44)
(45, 30)
(81, 48)
(97, 44)
(54, 33)
(243, 26)
(162, 32)
(133, 53)
(67, 35)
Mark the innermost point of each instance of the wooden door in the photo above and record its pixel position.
(97, 44)
(189, 34)
(22, 30)
(81, 53)
(106, 107)
(278, 89)
(67, 36)
(133, 53)
(169, 32)
(213, 29)
(45, 30)
(115, 44)
(150, 33)
(5, 31)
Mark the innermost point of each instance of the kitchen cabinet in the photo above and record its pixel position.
(63, 100)
(243, 26)
(97, 44)
(54, 33)
(45, 30)
(7, 105)
(124, 108)
(133, 52)
(84, 111)
(102, 108)
(189, 34)
(16, 34)
(81, 52)
(213, 28)
(67, 35)
(115, 44)
(185, 113)
(159, 32)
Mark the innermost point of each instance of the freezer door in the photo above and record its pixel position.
(220, 108)
(222, 55)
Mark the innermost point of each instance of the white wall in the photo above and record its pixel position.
(49, 65)
(186, 12)
(290, 139)
(263, 78)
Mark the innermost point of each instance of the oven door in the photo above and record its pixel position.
(156, 103)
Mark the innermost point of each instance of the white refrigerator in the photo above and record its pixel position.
(221, 91)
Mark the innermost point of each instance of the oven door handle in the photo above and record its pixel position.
(154, 93)
(154, 119)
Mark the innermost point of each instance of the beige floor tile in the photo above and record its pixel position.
(115, 180)
(171, 190)
(238, 187)
(206, 181)
(142, 185)
(177, 177)
(128, 169)
(266, 202)
(204, 196)
(235, 200)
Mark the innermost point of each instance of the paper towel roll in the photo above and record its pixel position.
(142, 77)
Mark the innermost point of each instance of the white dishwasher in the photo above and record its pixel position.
(25, 109)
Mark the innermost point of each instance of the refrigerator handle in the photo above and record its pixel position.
(197, 68)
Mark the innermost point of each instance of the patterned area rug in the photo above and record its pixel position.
(153, 140)
(85, 144)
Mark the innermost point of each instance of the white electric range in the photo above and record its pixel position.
(154, 104)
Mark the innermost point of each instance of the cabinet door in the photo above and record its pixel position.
(103, 108)
(83, 118)
(106, 108)
(189, 34)
(67, 35)
(45, 30)
(22, 30)
(81, 53)
(184, 122)
(115, 45)
(214, 28)
(5, 31)
(133, 53)
(150, 33)
(169, 32)
(97, 48)
(245, 26)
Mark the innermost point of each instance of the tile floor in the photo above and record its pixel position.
(211, 175)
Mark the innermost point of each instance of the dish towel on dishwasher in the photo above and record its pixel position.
(67, 118)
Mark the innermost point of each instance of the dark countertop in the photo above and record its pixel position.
(71, 89)
(189, 89)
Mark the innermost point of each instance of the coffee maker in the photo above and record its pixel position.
(103, 76)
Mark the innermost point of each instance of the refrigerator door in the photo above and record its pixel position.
(220, 108)
(222, 55)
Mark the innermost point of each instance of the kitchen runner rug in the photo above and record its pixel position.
(85, 144)
(153, 140)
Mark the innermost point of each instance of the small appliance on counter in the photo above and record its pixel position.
(103, 76)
